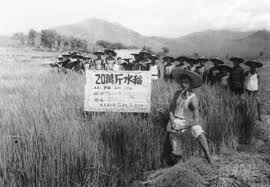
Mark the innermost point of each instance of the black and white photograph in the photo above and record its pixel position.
(135, 93)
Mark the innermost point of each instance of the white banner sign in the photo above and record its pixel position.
(117, 91)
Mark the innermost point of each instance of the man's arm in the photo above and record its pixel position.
(259, 82)
(172, 106)
(246, 73)
(103, 64)
(158, 71)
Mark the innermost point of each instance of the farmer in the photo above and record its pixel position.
(69, 63)
(79, 66)
(223, 76)
(136, 61)
(59, 62)
(236, 78)
(162, 65)
(168, 68)
(192, 62)
(92, 65)
(60, 59)
(128, 66)
(213, 73)
(184, 112)
(99, 62)
(87, 62)
(252, 83)
(154, 68)
(181, 60)
(110, 59)
(145, 61)
(119, 64)
(200, 69)
(66, 60)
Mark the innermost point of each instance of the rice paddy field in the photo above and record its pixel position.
(46, 139)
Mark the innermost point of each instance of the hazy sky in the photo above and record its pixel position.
(169, 18)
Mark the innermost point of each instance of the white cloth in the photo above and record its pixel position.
(154, 72)
(252, 82)
(116, 67)
(110, 64)
(195, 130)
(168, 69)
(179, 124)
(193, 68)
(201, 70)
(98, 63)
(86, 66)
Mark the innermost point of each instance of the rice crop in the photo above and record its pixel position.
(48, 140)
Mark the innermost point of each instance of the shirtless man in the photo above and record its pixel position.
(237, 78)
(184, 112)
(168, 67)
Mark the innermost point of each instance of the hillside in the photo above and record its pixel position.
(97, 29)
(207, 43)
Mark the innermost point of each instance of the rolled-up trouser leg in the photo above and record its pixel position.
(203, 142)
(196, 131)
(176, 144)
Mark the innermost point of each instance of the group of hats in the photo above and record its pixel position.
(145, 53)
(186, 59)
(236, 60)
(106, 51)
(73, 54)
(220, 64)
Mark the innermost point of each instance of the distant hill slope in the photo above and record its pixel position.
(207, 43)
(97, 29)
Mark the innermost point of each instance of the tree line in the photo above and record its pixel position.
(53, 40)
(114, 46)
(50, 39)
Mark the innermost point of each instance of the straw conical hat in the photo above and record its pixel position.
(237, 59)
(98, 53)
(196, 79)
(216, 61)
(168, 57)
(253, 63)
(107, 51)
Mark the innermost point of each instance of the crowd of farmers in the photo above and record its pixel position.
(233, 78)
(189, 73)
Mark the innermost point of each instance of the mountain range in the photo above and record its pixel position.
(220, 43)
